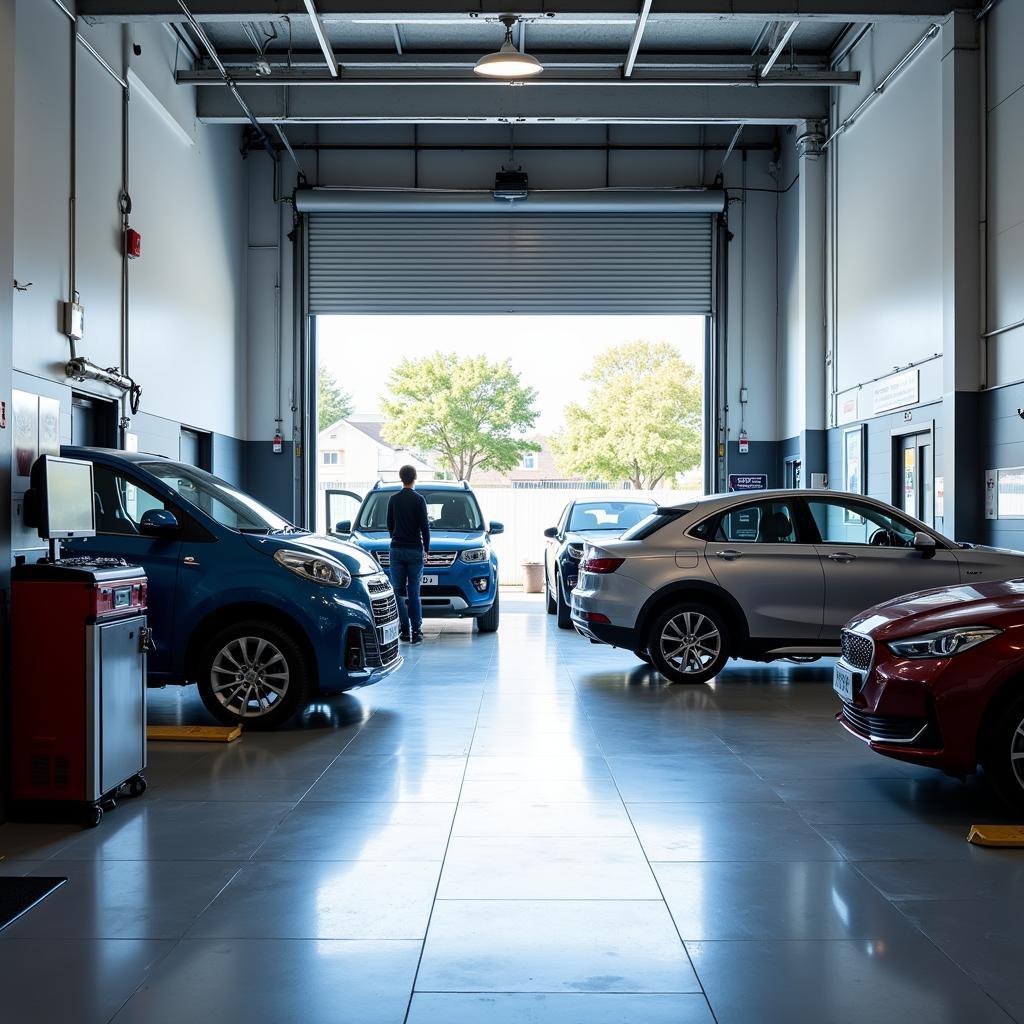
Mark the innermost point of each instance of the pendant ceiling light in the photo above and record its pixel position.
(508, 62)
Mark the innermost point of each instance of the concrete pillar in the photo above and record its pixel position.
(811, 274)
(961, 260)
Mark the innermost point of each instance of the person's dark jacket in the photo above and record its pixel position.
(407, 520)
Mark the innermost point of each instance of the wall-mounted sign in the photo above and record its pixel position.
(748, 481)
(990, 494)
(895, 392)
(940, 496)
(847, 408)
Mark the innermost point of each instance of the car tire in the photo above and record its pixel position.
(270, 681)
(703, 647)
(488, 622)
(552, 604)
(1006, 739)
(563, 610)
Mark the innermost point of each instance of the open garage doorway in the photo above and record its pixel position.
(532, 411)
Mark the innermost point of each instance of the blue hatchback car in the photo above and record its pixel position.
(257, 612)
(460, 574)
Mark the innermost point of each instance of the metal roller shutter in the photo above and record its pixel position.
(445, 263)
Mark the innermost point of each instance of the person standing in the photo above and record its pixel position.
(410, 542)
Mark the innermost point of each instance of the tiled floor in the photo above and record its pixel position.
(525, 828)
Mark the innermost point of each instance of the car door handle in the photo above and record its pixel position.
(842, 556)
(729, 554)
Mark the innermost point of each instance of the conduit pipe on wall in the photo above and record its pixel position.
(905, 61)
(349, 200)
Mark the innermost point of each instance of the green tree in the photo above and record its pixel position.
(472, 412)
(332, 404)
(641, 422)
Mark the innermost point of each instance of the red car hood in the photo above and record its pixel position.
(998, 604)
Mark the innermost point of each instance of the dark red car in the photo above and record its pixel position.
(937, 678)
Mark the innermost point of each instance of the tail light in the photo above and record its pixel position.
(602, 565)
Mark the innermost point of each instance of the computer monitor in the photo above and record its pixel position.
(66, 502)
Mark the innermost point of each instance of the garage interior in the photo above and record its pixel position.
(520, 826)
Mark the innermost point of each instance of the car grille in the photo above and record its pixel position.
(858, 651)
(383, 557)
(378, 585)
(385, 609)
(440, 559)
(378, 656)
(890, 728)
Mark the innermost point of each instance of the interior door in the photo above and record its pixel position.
(867, 556)
(341, 507)
(758, 555)
(915, 477)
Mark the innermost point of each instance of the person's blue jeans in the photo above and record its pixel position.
(407, 578)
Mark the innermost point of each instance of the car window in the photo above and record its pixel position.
(218, 499)
(762, 522)
(120, 501)
(614, 516)
(842, 521)
(446, 510)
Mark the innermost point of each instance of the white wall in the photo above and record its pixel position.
(1005, 125)
(187, 186)
(889, 218)
(792, 366)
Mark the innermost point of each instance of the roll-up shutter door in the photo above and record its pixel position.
(443, 263)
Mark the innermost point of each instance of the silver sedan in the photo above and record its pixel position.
(762, 575)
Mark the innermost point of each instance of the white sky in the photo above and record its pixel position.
(551, 353)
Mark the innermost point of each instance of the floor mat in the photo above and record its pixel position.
(18, 895)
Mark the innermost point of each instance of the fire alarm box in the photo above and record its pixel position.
(744, 444)
(278, 443)
(132, 244)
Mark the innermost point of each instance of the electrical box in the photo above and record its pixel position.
(819, 481)
(74, 320)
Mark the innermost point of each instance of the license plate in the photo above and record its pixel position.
(429, 581)
(389, 632)
(845, 682)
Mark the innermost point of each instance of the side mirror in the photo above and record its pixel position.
(345, 526)
(494, 528)
(925, 543)
(551, 531)
(158, 522)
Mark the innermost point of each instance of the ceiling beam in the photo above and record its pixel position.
(382, 70)
(780, 46)
(581, 10)
(621, 101)
(634, 42)
(321, 37)
(310, 60)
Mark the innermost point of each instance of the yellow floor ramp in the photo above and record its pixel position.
(194, 733)
(997, 835)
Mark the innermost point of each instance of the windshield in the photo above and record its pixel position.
(614, 516)
(218, 499)
(446, 510)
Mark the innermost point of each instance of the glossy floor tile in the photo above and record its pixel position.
(524, 828)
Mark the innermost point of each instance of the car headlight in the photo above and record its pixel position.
(475, 555)
(944, 643)
(317, 568)
(574, 551)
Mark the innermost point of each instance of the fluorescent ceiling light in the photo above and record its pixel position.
(508, 62)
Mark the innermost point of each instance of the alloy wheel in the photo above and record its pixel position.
(1017, 753)
(249, 676)
(690, 642)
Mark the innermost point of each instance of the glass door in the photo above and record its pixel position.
(914, 483)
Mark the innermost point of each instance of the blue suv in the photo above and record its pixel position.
(460, 574)
(256, 611)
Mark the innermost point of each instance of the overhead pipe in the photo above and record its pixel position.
(908, 57)
(355, 200)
